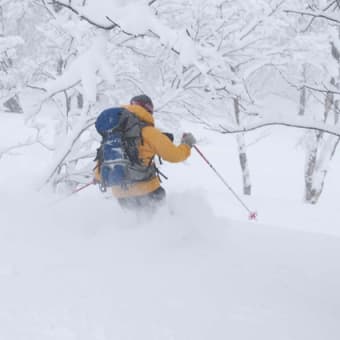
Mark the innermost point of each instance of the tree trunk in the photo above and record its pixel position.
(2, 24)
(319, 157)
(303, 95)
(322, 169)
(242, 151)
(80, 100)
(311, 160)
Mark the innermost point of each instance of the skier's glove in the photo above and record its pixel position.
(188, 139)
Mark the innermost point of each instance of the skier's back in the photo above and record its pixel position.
(148, 193)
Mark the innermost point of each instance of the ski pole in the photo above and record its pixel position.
(252, 214)
(75, 191)
(82, 187)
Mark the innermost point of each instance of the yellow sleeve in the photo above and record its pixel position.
(163, 147)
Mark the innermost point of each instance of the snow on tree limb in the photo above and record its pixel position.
(295, 122)
(66, 149)
(83, 17)
(29, 142)
(324, 90)
(320, 15)
(8, 149)
(82, 71)
(137, 19)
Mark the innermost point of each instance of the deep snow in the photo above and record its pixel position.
(83, 269)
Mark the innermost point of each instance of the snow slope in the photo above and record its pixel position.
(82, 269)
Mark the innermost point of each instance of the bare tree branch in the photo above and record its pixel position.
(330, 5)
(36, 88)
(253, 28)
(52, 94)
(314, 15)
(90, 21)
(42, 3)
(338, 3)
(299, 87)
(320, 90)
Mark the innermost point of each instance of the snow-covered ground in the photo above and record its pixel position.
(82, 269)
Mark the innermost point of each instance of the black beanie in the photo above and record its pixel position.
(144, 101)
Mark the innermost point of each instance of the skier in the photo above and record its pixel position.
(149, 193)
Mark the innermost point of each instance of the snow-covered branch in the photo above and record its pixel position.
(326, 90)
(138, 20)
(296, 122)
(29, 142)
(320, 15)
(63, 153)
(11, 148)
(84, 17)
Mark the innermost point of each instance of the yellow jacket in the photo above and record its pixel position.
(154, 143)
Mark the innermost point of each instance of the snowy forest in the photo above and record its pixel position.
(258, 84)
(216, 63)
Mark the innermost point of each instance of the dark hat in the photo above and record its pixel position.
(144, 101)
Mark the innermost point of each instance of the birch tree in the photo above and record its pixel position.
(318, 90)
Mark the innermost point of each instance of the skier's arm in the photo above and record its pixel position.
(163, 147)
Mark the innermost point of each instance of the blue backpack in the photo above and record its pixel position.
(118, 156)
